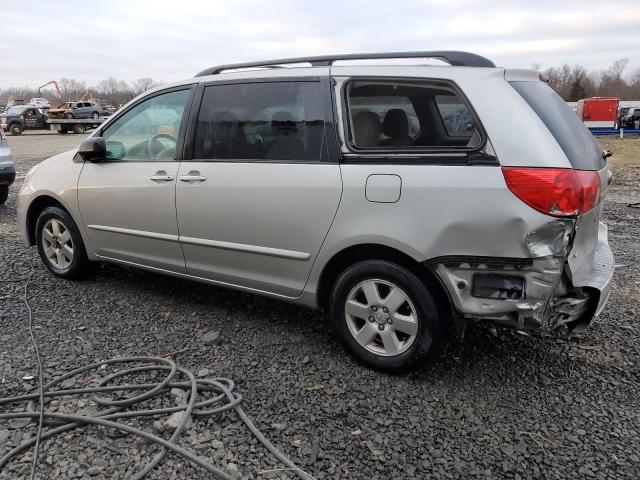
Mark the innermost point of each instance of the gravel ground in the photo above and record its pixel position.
(499, 404)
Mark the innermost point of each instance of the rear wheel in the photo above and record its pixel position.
(68, 115)
(384, 315)
(60, 245)
(4, 193)
(95, 115)
(16, 129)
(78, 128)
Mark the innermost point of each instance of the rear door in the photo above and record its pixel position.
(81, 110)
(257, 198)
(127, 201)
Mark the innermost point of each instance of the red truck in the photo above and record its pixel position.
(598, 112)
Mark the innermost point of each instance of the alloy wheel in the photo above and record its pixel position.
(57, 244)
(381, 317)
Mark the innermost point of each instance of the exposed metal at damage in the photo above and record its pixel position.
(551, 239)
(550, 299)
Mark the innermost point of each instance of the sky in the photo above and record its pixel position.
(92, 40)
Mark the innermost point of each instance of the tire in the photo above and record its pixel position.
(95, 115)
(78, 128)
(68, 115)
(63, 263)
(4, 193)
(416, 338)
(16, 129)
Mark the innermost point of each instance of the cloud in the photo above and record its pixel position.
(90, 40)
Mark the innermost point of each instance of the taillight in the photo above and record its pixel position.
(554, 191)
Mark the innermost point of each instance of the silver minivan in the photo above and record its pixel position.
(403, 200)
(7, 168)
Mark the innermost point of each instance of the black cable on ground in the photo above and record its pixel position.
(222, 398)
(36, 450)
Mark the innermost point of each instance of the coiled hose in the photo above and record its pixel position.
(224, 399)
(220, 390)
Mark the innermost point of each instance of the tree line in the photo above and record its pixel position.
(572, 82)
(109, 92)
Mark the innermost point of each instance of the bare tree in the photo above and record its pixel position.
(575, 81)
(141, 85)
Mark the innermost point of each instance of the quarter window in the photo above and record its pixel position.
(149, 131)
(455, 115)
(409, 116)
(261, 121)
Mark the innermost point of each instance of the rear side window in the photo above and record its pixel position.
(574, 138)
(390, 115)
(455, 115)
(261, 121)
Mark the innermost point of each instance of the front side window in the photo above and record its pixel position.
(149, 131)
(409, 116)
(261, 121)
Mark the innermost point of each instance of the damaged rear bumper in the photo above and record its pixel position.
(535, 292)
(601, 273)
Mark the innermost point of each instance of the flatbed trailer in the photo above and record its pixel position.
(75, 125)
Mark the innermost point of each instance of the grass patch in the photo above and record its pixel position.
(626, 152)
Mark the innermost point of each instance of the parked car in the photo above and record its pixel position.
(16, 119)
(309, 185)
(629, 119)
(7, 169)
(78, 110)
(622, 111)
(40, 102)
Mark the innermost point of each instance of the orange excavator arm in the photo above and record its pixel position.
(55, 84)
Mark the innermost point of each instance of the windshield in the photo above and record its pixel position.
(15, 110)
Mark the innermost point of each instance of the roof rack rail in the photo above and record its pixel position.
(452, 57)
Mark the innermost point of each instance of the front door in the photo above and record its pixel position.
(127, 201)
(257, 200)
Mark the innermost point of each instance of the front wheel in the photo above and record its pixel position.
(16, 129)
(4, 193)
(384, 315)
(60, 244)
(95, 116)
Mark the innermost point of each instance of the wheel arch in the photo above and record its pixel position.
(353, 254)
(34, 210)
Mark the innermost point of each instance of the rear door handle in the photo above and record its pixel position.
(192, 178)
(161, 178)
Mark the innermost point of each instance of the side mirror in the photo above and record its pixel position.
(93, 149)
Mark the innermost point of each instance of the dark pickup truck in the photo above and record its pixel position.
(19, 118)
